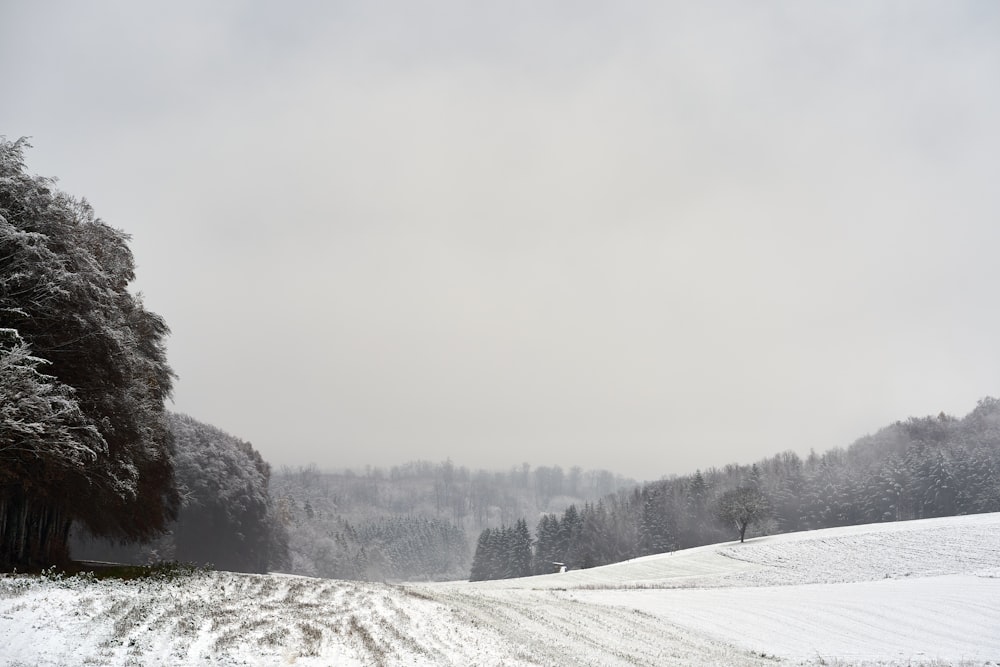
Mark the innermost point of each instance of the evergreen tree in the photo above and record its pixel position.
(655, 530)
(547, 545)
(482, 559)
(694, 527)
(570, 528)
(787, 498)
(499, 565)
(520, 550)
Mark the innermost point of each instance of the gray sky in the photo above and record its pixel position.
(646, 237)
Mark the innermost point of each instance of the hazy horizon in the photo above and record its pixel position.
(644, 238)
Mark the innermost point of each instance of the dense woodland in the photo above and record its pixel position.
(83, 378)
(226, 517)
(85, 440)
(416, 521)
(926, 467)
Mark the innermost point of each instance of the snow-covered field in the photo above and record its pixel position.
(912, 593)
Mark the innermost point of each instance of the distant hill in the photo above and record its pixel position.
(419, 520)
(924, 467)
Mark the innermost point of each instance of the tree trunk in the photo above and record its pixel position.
(33, 534)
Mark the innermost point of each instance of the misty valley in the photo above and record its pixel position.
(500, 334)
(428, 521)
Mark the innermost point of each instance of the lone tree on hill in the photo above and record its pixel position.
(742, 507)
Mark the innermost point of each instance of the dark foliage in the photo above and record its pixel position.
(226, 519)
(162, 571)
(503, 553)
(83, 376)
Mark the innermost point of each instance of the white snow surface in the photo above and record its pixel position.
(911, 593)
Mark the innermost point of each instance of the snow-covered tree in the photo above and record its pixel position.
(225, 514)
(227, 518)
(43, 433)
(520, 550)
(547, 552)
(656, 530)
(40, 421)
(742, 507)
(101, 456)
(481, 566)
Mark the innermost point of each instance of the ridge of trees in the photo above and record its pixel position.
(83, 378)
(921, 468)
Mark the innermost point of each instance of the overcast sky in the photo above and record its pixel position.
(645, 237)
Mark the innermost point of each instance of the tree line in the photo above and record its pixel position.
(86, 444)
(393, 548)
(918, 468)
(83, 378)
(416, 521)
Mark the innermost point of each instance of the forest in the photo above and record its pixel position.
(918, 468)
(226, 518)
(416, 521)
(432, 521)
(83, 378)
(90, 459)
(93, 465)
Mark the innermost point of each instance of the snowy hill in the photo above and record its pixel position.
(909, 593)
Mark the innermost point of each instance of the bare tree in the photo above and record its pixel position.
(742, 507)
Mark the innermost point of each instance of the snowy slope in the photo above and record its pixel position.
(919, 592)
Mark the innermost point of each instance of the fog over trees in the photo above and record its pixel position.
(226, 518)
(913, 469)
(86, 443)
(417, 521)
(433, 517)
